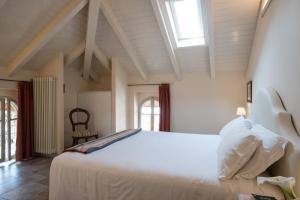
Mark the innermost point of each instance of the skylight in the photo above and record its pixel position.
(186, 20)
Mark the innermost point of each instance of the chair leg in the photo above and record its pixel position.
(86, 139)
(75, 141)
(96, 136)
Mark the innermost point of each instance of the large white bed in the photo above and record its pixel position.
(162, 166)
(148, 165)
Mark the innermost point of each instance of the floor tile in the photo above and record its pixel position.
(25, 180)
(27, 191)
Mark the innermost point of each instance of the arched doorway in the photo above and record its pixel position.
(8, 128)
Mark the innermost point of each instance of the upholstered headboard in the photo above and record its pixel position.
(268, 110)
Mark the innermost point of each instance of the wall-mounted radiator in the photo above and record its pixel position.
(44, 92)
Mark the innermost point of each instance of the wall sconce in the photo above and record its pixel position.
(264, 7)
(241, 111)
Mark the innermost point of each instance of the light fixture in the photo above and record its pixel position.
(241, 111)
(264, 7)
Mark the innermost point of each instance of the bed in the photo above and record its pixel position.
(169, 166)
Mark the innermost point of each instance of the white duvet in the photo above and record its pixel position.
(149, 166)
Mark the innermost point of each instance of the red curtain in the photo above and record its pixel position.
(25, 129)
(164, 104)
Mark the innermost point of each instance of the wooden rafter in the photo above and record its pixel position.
(112, 20)
(90, 36)
(78, 51)
(93, 75)
(102, 58)
(209, 15)
(58, 22)
(166, 36)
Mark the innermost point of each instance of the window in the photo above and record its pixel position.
(8, 128)
(149, 114)
(185, 17)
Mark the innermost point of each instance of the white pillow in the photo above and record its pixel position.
(271, 149)
(234, 152)
(236, 125)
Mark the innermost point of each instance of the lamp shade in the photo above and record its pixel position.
(241, 111)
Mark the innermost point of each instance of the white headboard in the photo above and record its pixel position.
(268, 110)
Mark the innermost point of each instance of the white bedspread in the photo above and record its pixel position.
(148, 166)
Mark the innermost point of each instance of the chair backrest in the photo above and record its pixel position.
(79, 123)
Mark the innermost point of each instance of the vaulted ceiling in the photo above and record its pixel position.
(125, 29)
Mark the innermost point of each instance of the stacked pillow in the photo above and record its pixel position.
(237, 146)
(272, 148)
(246, 149)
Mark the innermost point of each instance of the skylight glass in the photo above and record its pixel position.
(186, 21)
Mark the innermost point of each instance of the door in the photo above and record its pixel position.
(8, 128)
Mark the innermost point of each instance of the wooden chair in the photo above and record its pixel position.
(81, 133)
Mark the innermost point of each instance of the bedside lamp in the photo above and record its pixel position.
(241, 111)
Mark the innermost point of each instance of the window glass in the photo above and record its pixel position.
(146, 122)
(156, 123)
(188, 19)
(8, 126)
(149, 115)
(185, 17)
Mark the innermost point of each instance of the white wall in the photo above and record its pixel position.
(98, 103)
(275, 58)
(55, 68)
(75, 84)
(119, 97)
(199, 104)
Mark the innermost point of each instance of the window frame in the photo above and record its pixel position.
(7, 121)
(152, 99)
(173, 26)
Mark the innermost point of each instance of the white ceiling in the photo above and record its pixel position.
(65, 41)
(139, 23)
(20, 21)
(234, 22)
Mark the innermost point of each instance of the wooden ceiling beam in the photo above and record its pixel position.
(102, 58)
(209, 32)
(166, 36)
(113, 22)
(93, 75)
(46, 34)
(78, 51)
(92, 23)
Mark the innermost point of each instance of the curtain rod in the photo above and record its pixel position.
(146, 84)
(12, 80)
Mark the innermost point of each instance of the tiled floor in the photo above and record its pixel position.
(26, 180)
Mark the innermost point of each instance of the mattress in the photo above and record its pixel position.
(149, 166)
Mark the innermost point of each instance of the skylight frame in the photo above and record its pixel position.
(172, 19)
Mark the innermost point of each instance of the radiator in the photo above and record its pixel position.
(44, 95)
